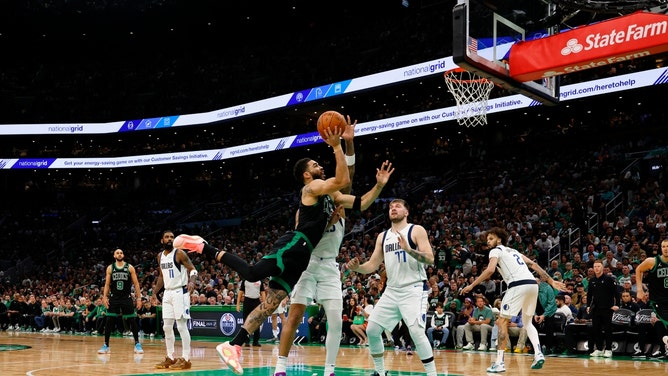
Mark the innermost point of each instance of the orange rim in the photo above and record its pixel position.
(448, 76)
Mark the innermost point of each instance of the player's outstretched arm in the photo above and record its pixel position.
(374, 261)
(543, 274)
(484, 275)
(363, 202)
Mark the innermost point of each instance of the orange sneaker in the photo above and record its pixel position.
(192, 243)
(181, 363)
(230, 354)
(165, 363)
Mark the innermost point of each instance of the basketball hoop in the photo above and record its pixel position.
(471, 92)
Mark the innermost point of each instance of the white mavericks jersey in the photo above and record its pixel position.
(401, 268)
(510, 264)
(174, 275)
(330, 243)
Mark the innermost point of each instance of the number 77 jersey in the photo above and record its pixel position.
(401, 268)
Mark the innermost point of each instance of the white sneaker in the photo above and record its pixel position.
(538, 361)
(607, 354)
(482, 347)
(469, 346)
(493, 348)
(596, 353)
(665, 342)
(497, 368)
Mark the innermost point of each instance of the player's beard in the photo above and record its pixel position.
(397, 218)
(168, 246)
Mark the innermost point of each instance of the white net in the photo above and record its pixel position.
(471, 93)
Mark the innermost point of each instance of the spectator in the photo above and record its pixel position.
(362, 314)
(579, 329)
(440, 324)
(147, 319)
(481, 321)
(463, 317)
(317, 325)
(563, 308)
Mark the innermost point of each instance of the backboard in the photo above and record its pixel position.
(484, 31)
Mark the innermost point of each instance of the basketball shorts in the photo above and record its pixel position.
(522, 297)
(291, 253)
(321, 280)
(121, 306)
(408, 303)
(176, 304)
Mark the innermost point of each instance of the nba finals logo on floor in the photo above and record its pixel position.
(13, 347)
(228, 324)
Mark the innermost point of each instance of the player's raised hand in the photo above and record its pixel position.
(349, 132)
(383, 173)
(333, 136)
(403, 243)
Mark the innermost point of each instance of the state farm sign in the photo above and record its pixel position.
(616, 40)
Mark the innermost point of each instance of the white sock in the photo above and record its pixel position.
(499, 356)
(430, 368)
(379, 365)
(281, 364)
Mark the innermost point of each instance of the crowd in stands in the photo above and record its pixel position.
(579, 190)
(560, 212)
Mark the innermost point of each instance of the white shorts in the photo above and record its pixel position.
(522, 297)
(408, 303)
(175, 304)
(321, 280)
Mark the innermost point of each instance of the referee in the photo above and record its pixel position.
(603, 301)
(252, 294)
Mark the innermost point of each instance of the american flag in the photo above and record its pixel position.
(473, 45)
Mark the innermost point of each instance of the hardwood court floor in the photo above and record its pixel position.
(72, 355)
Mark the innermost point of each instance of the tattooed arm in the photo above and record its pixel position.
(543, 274)
(424, 252)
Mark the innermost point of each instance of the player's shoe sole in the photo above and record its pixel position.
(230, 355)
(192, 243)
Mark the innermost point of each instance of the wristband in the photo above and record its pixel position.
(357, 204)
(350, 159)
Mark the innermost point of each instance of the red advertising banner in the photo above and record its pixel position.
(620, 39)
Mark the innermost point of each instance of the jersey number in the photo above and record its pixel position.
(171, 273)
(119, 285)
(519, 259)
(401, 255)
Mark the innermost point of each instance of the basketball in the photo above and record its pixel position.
(332, 120)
